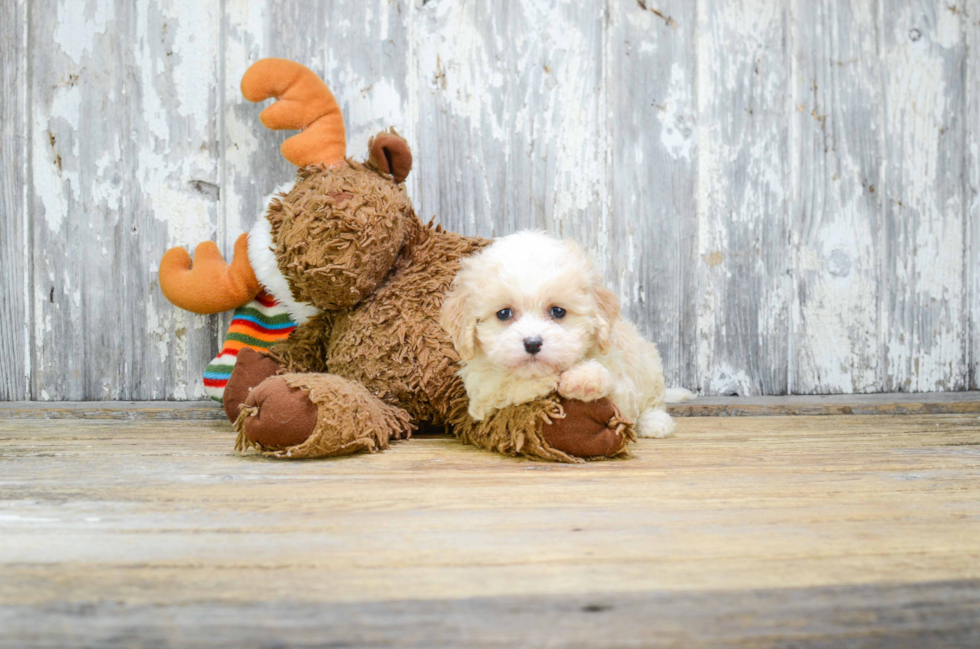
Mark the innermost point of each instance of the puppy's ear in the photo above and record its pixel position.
(606, 315)
(458, 320)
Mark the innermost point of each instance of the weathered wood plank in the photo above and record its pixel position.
(15, 328)
(745, 290)
(837, 126)
(972, 197)
(652, 116)
(124, 163)
(835, 404)
(580, 117)
(127, 410)
(933, 614)
(511, 132)
(757, 528)
(923, 335)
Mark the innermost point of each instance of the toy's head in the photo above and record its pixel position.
(326, 242)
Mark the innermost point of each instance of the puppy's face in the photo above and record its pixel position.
(530, 305)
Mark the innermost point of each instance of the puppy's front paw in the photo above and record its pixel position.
(586, 382)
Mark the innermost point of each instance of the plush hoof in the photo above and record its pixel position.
(278, 416)
(589, 429)
(251, 368)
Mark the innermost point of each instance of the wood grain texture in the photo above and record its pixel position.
(836, 145)
(924, 323)
(15, 316)
(511, 134)
(759, 529)
(742, 209)
(652, 140)
(126, 410)
(783, 194)
(124, 159)
(972, 232)
(934, 403)
(889, 616)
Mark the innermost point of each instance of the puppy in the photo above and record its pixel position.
(529, 316)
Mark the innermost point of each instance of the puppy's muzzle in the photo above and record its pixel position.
(533, 344)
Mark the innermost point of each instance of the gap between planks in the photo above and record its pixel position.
(932, 403)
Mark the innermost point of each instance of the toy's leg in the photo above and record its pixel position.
(251, 368)
(317, 415)
(589, 429)
(553, 429)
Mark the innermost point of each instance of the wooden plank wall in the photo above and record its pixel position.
(784, 194)
(15, 318)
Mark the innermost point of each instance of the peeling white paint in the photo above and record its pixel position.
(924, 340)
(193, 21)
(79, 23)
(678, 128)
(48, 184)
(511, 118)
(743, 319)
(456, 61)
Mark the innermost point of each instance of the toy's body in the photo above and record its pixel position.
(388, 347)
(345, 255)
(391, 343)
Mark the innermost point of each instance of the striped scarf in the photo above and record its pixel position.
(258, 325)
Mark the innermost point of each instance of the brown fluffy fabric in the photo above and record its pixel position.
(537, 430)
(336, 250)
(516, 431)
(306, 348)
(348, 420)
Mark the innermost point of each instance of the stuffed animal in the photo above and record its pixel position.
(341, 256)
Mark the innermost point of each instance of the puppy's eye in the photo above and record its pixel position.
(505, 314)
(557, 312)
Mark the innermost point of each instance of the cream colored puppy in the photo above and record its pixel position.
(529, 316)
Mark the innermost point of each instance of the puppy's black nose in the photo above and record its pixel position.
(532, 345)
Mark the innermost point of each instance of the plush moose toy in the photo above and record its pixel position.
(342, 257)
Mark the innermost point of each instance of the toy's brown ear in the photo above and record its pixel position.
(389, 152)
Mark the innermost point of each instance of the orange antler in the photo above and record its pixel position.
(211, 285)
(305, 103)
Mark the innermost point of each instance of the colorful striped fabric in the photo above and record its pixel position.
(258, 325)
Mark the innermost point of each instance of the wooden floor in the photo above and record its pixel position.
(758, 531)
